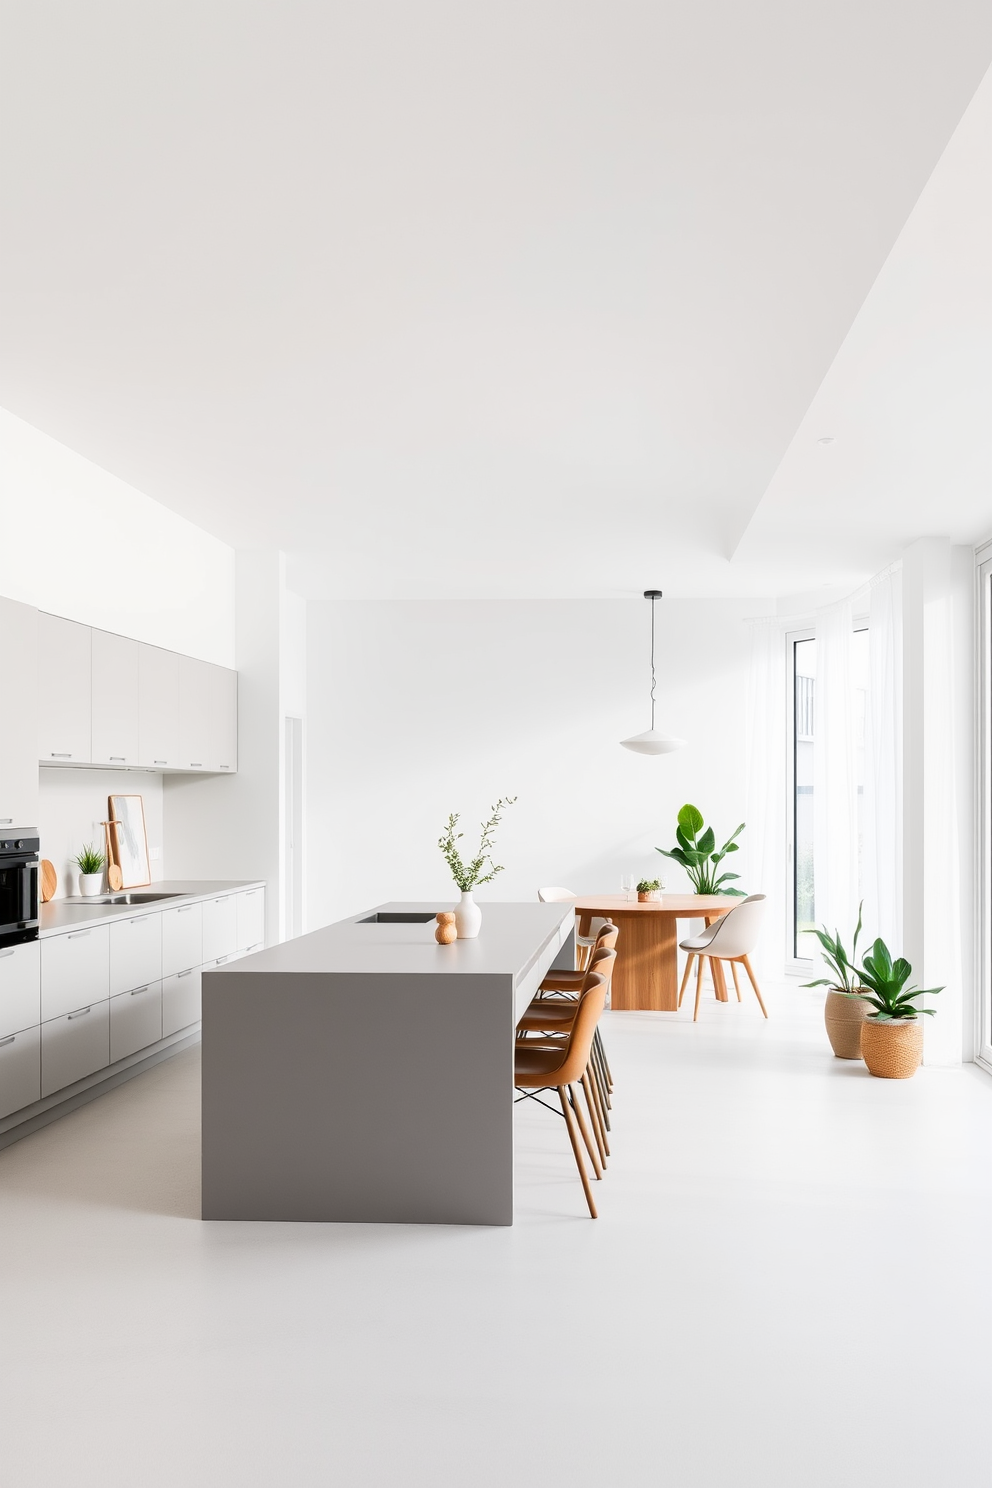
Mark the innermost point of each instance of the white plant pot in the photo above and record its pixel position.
(468, 918)
(90, 883)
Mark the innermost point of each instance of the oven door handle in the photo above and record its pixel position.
(29, 901)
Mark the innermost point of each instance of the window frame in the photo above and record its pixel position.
(794, 964)
(983, 844)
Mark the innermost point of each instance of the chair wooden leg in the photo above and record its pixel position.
(685, 976)
(574, 1139)
(757, 989)
(699, 987)
(591, 1147)
(600, 1112)
(737, 985)
(595, 1120)
(599, 1080)
(598, 1040)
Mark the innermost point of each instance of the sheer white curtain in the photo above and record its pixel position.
(764, 855)
(883, 843)
(835, 798)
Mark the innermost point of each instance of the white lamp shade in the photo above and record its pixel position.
(652, 742)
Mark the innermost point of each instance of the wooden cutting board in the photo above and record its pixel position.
(49, 880)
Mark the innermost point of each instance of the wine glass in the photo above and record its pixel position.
(627, 884)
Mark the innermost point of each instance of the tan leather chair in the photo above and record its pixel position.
(563, 1067)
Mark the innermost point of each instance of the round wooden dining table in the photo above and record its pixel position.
(646, 974)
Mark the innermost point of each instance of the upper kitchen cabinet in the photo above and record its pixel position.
(208, 716)
(64, 691)
(19, 735)
(115, 700)
(158, 708)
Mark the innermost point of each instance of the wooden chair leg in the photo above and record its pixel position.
(598, 1041)
(737, 985)
(591, 1147)
(592, 1108)
(574, 1139)
(699, 987)
(599, 1080)
(600, 1114)
(757, 989)
(685, 975)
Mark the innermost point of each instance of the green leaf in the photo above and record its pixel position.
(731, 846)
(683, 840)
(675, 853)
(707, 841)
(691, 820)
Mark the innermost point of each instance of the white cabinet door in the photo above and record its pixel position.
(220, 927)
(135, 1020)
(182, 938)
(180, 1001)
(224, 730)
(20, 1070)
(251, 918)
(20, 987)
(74, 1046)
(115, 699)
(64, 691)
(158, 707)
(75, 971)
(19, 734)
(198, 749)
(135, 952)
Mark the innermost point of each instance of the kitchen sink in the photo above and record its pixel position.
(400, 917)
(129, 898)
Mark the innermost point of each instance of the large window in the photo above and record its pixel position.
(802, 833)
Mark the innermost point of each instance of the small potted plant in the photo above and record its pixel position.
(90, 864)
(696, 853)
(845, 1009)
(468, 876)
(648, 889)
(892, 1035)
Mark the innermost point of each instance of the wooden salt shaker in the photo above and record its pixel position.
(446, 931)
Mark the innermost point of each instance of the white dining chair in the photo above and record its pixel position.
(555, 894)
(731, 938)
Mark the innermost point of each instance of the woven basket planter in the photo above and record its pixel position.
(842, 1018)
(892, 1050)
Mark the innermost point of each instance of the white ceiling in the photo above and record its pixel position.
(449, 298)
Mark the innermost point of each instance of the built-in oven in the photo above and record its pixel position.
(18, 885)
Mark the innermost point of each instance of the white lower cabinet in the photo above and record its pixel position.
(135, 953)
(182, 938)
(20, 1070)
(251, 917)
(220, 927)
(135, 1020)
(74, 1046)
(180, 1001)
(20, 987)
(75, 970)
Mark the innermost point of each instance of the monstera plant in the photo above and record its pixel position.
(698, 855)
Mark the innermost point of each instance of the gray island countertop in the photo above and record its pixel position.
(365, 1073)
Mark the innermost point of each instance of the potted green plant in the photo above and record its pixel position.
(845, 1009)
(648, 889)
(90, 864)
(892, 1035)
(697, 853)
(469, 876)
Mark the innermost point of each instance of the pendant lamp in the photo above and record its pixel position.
(651, 741)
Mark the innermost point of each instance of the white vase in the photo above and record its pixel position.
(468, 917)
(90, 883)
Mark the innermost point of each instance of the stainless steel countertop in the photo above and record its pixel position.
(59, 915)
(511, 939)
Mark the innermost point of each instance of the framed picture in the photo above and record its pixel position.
(127, 813)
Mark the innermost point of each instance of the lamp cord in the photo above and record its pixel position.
(653, 679)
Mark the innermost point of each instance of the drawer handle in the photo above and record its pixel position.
(138, 990)
(221, 960)
(81, 1014)
(116, 759)
(186, 909)
(225, 767)
(6, 1041)
(55, 755)
(160, 762)
(78, 935)
(250, 893)
(6, 821)
(195, 765)
(180, 974)
(9, 952)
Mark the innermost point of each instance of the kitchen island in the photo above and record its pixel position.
(365, 1073)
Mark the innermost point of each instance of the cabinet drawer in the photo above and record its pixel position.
(20, 1070)
(135, 1020)
(135, 953)
(20, 987)
(75, 970)
(251, 918)
(182, 938)
(74, 1046)
(180, 1001)
(220, 927)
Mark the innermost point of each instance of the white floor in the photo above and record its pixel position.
(790, 1284)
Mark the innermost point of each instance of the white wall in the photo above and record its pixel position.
(72, 805)
(416, 710)
(80, 543)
